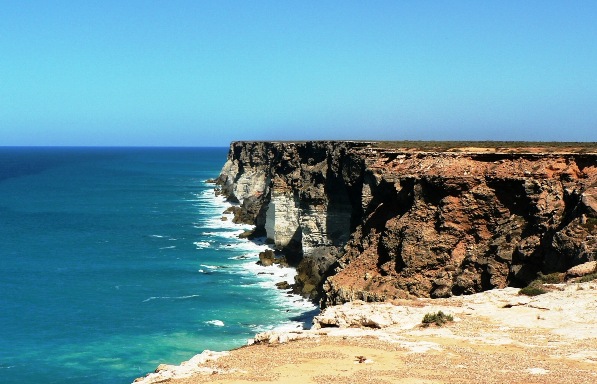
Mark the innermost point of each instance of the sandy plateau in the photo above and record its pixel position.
(497, 336)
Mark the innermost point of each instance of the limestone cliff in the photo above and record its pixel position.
(372, 221)
(305, 197)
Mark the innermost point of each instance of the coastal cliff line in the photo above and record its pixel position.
(378, 221)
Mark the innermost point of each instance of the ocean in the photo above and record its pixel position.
(114, 260)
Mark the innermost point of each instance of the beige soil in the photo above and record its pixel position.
(335, 360)
(497, 337)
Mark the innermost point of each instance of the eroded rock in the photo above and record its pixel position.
(364, 221)
(582, 269)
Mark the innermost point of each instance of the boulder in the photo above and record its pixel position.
(268, 258)
(582, 269)
(283, 285)
(589, 199)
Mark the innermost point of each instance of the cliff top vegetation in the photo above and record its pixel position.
(492, 146)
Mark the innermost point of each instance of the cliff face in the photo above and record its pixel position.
(364, 222)
(304, 197)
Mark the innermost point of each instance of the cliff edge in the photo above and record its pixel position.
(379, 221)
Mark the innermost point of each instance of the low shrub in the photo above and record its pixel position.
(552, 278)
(587, 278)
(532, 290)
(535, 288)
(438, 319)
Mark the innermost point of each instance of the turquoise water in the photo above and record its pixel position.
(114, 260)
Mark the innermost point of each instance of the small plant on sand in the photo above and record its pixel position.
(438, 319)
(360, 359)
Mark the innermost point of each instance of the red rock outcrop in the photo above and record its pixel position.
(446, 223)
(376, 222)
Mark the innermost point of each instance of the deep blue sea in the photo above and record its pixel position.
(113, 260)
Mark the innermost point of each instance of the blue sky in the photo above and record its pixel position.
(198, 73)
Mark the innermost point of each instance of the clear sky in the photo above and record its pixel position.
(204, 73)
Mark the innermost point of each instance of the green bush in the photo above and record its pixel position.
(552, 278)
(438, 319)
(532, 290)
(587, 278)
(535, 288)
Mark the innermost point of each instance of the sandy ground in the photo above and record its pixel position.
(497, 337)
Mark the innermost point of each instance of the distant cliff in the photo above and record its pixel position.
(373, 221)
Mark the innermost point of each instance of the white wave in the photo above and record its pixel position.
(289, 326)
(218, 223)
(251, 246)
(247, 247)
(230, 234)
(157, 236)
(208, 199)
(170, 297)
(226, 234)
(169, 247)
(202, 244)
(268, 277)
(212, 267)
(216, 323)
(284, 326)
(275, 273)
(242, 257)
(295, 306)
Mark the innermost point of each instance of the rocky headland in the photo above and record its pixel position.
(379, 221)
(385, 234)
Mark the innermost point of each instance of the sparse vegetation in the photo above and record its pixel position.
(587, 278)
(552, 278)
(535, 287)
(438, 319)
(499, 146)
(533, 290)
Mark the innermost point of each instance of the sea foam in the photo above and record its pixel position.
(170, 297)
(246, 265)
(216, 323)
